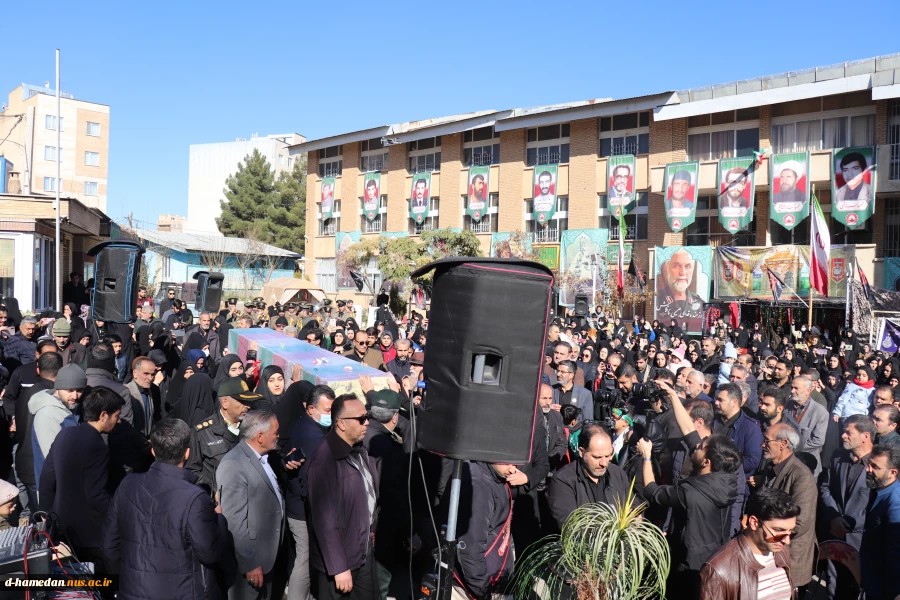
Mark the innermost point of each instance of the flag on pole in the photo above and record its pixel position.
(622, 233)
(820, 248)
(864, 281)
(889, 336)
(776, 284)
(638, 276)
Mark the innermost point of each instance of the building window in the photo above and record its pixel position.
(92, 159)
(707, 231)
(635, 220)
(281, 159)
(329, 226)
(373, 157)
(373, 274)
(549, 232)
(7, 267)
(824, 134)
(625, 134)
(93, 129)
(165, 266)
(50, 122)
(431, 220)
(49, 184)
(49, 152)
(376, 225)
(723, 144)
(290, 162)
(629, 144)
(547, 145)
(893, 137)
(891, 226)
(425, 155)
(326, 274)
(481, 147)
(488, 223)
(331, 161)
(90, 188)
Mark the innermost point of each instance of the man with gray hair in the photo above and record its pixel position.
(785, 471)
(811, 417)
(20, 349)
(205, 328)
(253, 505)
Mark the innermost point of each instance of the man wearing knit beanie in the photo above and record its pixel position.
(8, 496)
(53, 411)
(101, 372)
(71, 351)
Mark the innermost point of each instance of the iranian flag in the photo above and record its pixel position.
(820, 248)
(622, 233)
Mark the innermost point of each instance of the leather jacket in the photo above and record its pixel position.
(732, 572)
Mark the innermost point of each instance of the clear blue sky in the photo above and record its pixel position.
(182, 73)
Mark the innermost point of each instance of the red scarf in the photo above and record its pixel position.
(868, 385)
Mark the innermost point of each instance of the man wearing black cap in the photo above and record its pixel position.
(280, 324)
(220, 432)
(231, 311)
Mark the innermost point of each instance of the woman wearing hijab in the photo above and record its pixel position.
(230, 366)
(290, 409)
(386, 346)
(857, 396)
(196, 401)
(271, 386)
(176, 385)
(70, 313)
(223, 330)
(197, 359)
(338, 342)
(587, 363)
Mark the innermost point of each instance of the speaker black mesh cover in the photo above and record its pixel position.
(492, 307)
(117, 269)
(209, 291)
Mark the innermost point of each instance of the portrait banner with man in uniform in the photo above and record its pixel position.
(326, 204)
(736, 192)
(477, 204)
(682, 285)
(789, 185)
(853, 185)
(544, 193)
(620, 190)
(420, 197)
(681, 194)
(372, 198)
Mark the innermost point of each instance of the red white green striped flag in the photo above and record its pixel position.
(623, 231)
(820, 248)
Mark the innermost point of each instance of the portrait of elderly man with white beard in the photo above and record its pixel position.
(674, 299)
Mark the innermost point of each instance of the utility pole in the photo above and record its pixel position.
(58, 180)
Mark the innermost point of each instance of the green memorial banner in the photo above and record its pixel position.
(477, 204)
(544, 193)
(372, 199)
(420, 197)
(326, 206)
(579, 250)
(789, 185)
(342, 241)
(736, 192)
(620, 191)
(681, 194)
(682, 280)
(853, 185)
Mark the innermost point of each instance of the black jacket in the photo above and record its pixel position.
(392, 464)
(557, 444)
(162, 536)
(74, 484)
(21, 379)
(569, 489)
(210, 441)
(306, 437)
(702, 516)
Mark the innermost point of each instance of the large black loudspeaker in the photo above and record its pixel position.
(581, 305)
(209, 291)
(484, 358)
(117, 269)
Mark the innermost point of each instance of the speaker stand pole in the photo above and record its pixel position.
(449, 556)
(58, 240)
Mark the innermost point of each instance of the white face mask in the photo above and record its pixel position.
(206, 351)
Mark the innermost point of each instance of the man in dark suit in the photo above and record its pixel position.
(253, 505)
(74, 477)
(566, 392)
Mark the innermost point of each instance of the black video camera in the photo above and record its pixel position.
(649, 391)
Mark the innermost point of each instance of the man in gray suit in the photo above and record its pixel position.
(253, 505)
(145, 394)
(812, 418)
(566, 392)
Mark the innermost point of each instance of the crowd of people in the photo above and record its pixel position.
(192, 472)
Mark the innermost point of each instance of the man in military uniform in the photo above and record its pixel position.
(674, 299)
(324, 312)
(220, 432)
(231, 310)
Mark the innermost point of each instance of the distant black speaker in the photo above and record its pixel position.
(581, 305)
(209, 291)
(117, 269)
(484, 358)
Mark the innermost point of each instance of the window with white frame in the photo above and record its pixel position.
(326, 274)
(488, 222)
(481, 147)
(92, 159)
(331, 161)
(373, 156)
(377, 224)
(92, 129)
(723, 135)
(50, 184)
(49, 152)
(50, 122)
(165, 266)
(625, 134)
(431, 220)
(425, 155)
(707, 231)
(893, 138)
(330, 226)
(373, 274)
(823, 134)
(90, 188)
(550, 231)
(547, 145)
(635, 220)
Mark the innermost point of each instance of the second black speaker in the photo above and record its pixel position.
(117, 270)
(209, 291)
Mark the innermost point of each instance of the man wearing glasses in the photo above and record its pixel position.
(566, 392)
(753, 564)
(342, 495)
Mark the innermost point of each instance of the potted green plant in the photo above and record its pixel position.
(604, 553)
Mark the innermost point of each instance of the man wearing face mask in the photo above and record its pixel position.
(306, 437)
(218, 433)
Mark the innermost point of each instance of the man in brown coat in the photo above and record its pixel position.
(756, 563)
(361, 352)
(785, 471)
